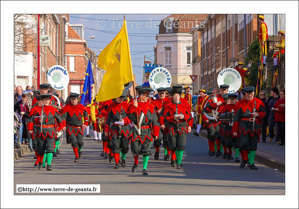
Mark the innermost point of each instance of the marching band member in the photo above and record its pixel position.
(98, 124)
(102, 111)
(48, 132)
(159, 103)
(243, 72)
(247, 120)
(227, 138)
(43, 90)
(75, 120)
(263, 35)
(209, 127)
(165, 127)
(90, 119)
(177, 114)
(118, 133)
(281, 46)
(221, 124)
(35, 133)
(201, 101)
(95, 116)
(214, 127)
(187, 96)
(143, 116)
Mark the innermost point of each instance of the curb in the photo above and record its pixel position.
(20, 152)
(263, 158)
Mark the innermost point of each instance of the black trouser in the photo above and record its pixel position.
(247, 142)
(264, 133)
(177, 141)
(44, 145)
(137, 148)
(213, 133)
(165, 140)
(76, 141)
(281, 132)
(236, 142)
(119, 144)
(271, 128)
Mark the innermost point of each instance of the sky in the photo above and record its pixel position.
(142, 30)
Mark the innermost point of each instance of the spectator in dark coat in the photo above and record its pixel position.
(270, 114)
(262, 96)
(21, 108)
(18, 95)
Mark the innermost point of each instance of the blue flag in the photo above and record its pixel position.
(86, 96)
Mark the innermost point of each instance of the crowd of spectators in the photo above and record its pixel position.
(22, 100)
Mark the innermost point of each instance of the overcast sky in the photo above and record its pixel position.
(142, 30)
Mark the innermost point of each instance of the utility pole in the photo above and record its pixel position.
(38, 54)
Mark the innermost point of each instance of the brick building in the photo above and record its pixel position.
(174, 45)
(26, 47)
(225, 39)
(223, 44)
(78, 55)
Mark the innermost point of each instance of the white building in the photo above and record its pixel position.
(23, 72)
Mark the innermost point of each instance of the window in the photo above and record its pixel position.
(168, 25)
(79, 30)
(189, 54)
(72, 64)
(167, 56)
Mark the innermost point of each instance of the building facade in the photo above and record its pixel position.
(225, 39)
(25, 32)
(174, 46)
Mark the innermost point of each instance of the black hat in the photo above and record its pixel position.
(161, 89)
(144, 91)
(177, 87)
(124, 94)
(225, 96)
(243, 92)
(46, 96)
(210, 92)
(72, 95)
(44, 85)
(232, 96)
(38, 98)
(224, 86)
(169, 89)
(249, 89)
(138, 87)
(176, 91)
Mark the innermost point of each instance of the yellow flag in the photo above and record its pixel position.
(115, 59)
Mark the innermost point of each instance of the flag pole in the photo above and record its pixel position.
(134, 79)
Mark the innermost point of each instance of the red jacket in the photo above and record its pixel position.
(280, 114)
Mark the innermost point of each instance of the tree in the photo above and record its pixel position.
(25, 31)
(253, 58)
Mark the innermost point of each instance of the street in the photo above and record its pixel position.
(200, 174)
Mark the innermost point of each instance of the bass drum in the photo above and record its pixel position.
(160, 77)
(230, 77)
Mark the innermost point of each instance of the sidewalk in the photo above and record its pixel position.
(269, 153)
(18, 153)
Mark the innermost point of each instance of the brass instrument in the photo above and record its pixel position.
(101, 121)
(213, 114)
